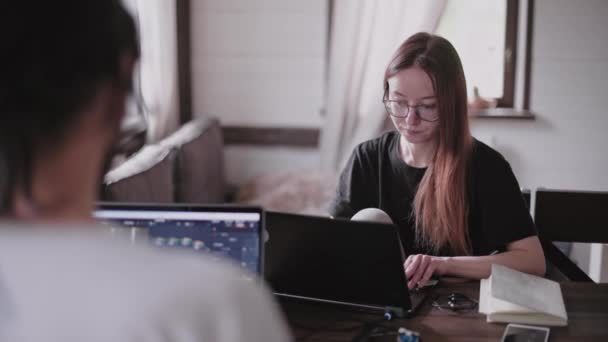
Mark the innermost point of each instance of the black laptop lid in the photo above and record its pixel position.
(233, 232)
(336, 260)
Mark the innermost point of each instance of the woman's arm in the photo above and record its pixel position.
(525, 255)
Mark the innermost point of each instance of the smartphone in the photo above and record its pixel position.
(525, 333)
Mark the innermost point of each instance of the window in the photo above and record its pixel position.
(484, 32)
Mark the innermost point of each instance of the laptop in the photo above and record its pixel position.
(354, 263)
(233, 232)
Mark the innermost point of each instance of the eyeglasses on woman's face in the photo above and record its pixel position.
(401, 109)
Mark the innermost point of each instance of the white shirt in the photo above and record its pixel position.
(73, 285)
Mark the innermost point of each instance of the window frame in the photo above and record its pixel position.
(510, 53)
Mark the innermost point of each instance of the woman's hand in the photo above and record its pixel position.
(419, 268)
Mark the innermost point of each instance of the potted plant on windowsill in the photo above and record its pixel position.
(479, 104)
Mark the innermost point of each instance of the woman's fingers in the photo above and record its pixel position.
(430, 270)
(408, 261)
(416, 274)
(419, 269)
(414, 261)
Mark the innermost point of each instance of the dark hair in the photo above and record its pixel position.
(54, 56)
(440, 205)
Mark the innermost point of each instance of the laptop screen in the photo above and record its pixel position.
(232, 232)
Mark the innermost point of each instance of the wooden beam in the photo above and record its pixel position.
(271, 136)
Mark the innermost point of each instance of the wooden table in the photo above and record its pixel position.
(586, 303)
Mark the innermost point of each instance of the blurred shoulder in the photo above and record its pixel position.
(89, 277)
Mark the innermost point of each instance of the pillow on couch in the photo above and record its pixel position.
(199, 172)
(147, 176)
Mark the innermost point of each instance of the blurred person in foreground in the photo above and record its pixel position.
(66, 72)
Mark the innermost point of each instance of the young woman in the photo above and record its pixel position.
(456, 200)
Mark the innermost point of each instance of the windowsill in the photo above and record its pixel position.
(501, 113)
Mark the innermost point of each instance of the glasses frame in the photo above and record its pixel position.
(455, 302)
(409, 110)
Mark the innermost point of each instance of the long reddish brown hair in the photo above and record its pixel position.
(440, 205)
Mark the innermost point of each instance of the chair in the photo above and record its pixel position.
(527, 195)
(570, 216)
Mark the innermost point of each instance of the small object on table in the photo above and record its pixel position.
(406, 335)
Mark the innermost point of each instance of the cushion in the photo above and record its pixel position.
(145, 177)
(199, 176)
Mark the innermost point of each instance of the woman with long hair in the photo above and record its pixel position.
(455, 199)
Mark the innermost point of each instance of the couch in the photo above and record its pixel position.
(189, 167)
(176, 169)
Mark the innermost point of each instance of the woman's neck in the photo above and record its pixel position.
(417, 155)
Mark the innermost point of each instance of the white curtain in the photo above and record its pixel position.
(364, 35)
(157, 26)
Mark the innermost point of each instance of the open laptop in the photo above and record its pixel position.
(338, 261)
(234, 232)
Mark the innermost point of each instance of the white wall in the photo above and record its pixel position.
(260, 63)
(566, 146)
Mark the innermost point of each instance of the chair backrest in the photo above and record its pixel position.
(572, 216)
(569, 216)
(525, 193)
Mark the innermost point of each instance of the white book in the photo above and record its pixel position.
(516, 297)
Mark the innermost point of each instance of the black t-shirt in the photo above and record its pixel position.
(376, 177)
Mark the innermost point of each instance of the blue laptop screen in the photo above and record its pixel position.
(235, 235)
